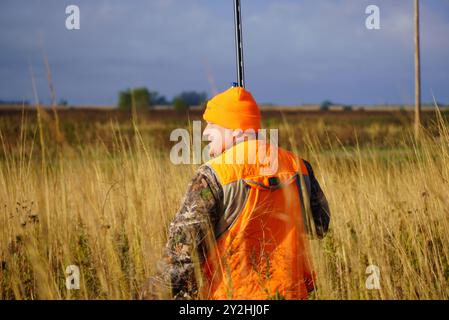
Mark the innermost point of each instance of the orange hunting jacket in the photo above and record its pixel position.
(261, 249)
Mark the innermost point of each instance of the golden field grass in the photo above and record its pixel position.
(101, 197)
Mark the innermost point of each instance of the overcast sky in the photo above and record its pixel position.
(296, 51)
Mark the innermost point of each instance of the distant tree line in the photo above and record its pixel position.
(326, 104)
(61, 102)
(14, 102)
(142, 98)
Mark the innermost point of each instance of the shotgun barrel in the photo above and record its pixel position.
(239, 43)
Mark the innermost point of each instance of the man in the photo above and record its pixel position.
(242, 229)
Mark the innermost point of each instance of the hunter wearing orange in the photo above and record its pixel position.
(247, 226)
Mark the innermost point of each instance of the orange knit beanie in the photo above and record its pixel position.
(234, 108)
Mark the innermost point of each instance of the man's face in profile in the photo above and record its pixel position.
(220, 138)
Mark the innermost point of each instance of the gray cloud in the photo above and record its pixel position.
(295, 52)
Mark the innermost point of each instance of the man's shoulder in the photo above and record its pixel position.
(293, 156)
(308, 166)
(206, 170)
(206, 177)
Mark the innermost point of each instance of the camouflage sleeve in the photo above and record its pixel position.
(185, 249)
(318, 204)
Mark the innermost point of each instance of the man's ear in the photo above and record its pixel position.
(237, 133)
(237, 136)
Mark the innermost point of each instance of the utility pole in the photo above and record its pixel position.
(417, 73)
(239, 43)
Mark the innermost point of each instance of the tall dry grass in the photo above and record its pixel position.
(391, 210)
(105, 207)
